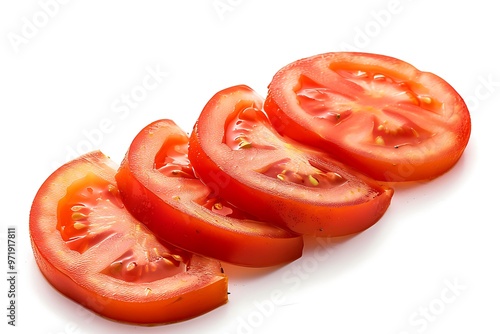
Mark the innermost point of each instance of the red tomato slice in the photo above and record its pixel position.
(159, 187)
(376, 113)
(277, 179)
(92, 250)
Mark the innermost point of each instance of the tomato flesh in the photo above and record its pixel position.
(277, 179)
(183, 211)
(250, 128)
(92, 250)
(375, 113)
(86, 216)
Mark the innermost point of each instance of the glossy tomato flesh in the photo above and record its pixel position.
(159, 187)
(377, 114)
(93, 251)
(277, 179)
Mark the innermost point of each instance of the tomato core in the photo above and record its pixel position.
(378, 96)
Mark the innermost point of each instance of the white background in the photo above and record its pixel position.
(66, 67)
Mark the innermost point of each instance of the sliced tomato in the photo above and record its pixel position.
(159, 187)
(376, 113)
(277, 179)
(92, 250)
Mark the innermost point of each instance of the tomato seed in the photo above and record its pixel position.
(379, 140)
(79, 226)
(78, 216)
(77, 207)
(313, 180)
(131, 266)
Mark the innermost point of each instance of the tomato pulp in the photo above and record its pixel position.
(277, 179)
(93, 251)
(376, 113)
(159, 187)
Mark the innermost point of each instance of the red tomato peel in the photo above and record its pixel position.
(159, 187)
(375, 113)
(277, 179)
(93, 251)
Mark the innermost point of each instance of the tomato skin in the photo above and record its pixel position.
(317, 213)
(210, 295)
(173, 213)
(350, 140)
(199, 289)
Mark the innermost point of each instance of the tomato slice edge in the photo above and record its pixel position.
(177, 215)
(400, 161)
(208, 152)
(107, 296)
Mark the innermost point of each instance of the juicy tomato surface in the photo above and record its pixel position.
(159, 187)
(376, 113)
(93, 251)
(277, 179)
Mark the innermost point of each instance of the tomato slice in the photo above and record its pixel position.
(159, 187)
(93, 251)
(279, 180)
(376, 113)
